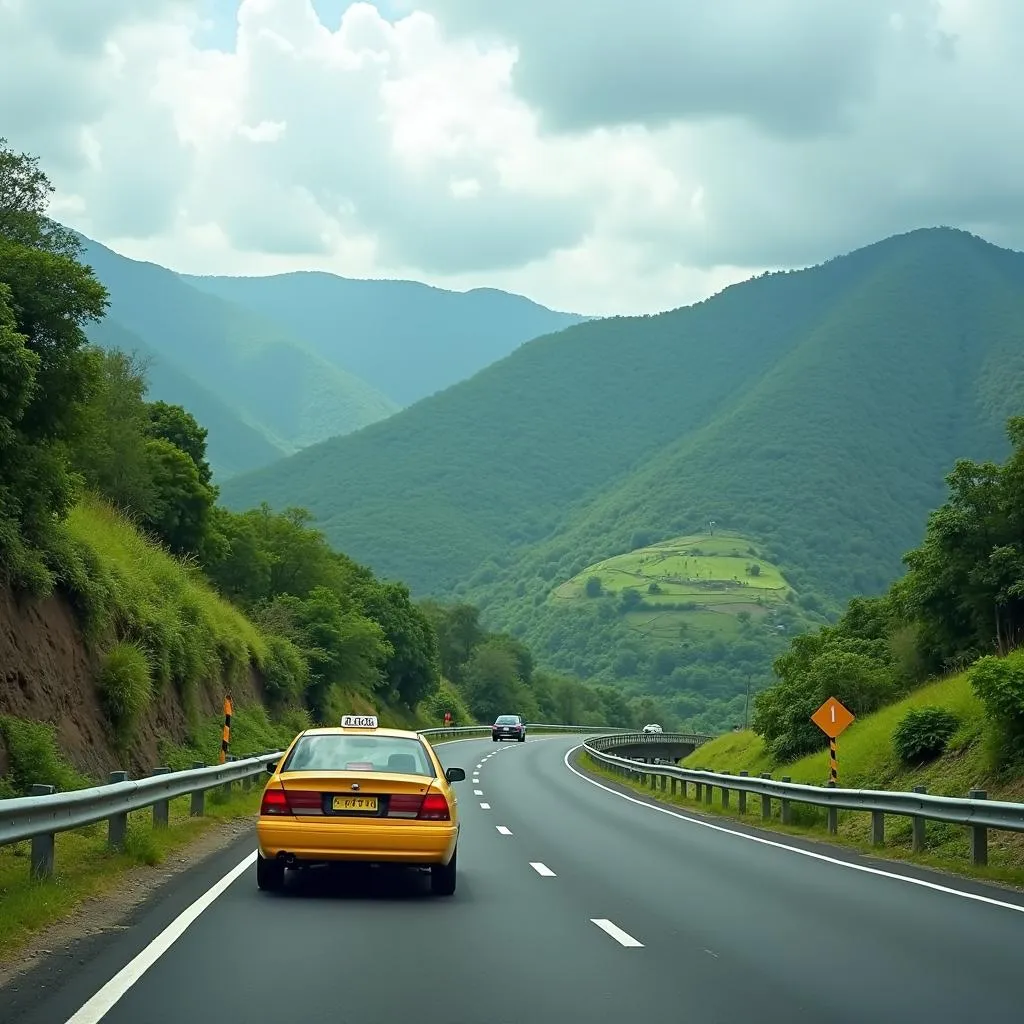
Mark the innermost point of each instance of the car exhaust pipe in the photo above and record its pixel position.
(288, 858)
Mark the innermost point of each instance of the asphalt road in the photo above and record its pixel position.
(584, 905)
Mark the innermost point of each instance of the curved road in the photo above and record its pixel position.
(575, 902)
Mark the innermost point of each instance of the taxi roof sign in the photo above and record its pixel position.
(359, 721)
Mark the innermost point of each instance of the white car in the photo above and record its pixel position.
(652, 728)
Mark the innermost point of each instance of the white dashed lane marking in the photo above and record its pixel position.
(503, 830)
(485, 807)
(621, 937)
(542, 869)
(478, 792)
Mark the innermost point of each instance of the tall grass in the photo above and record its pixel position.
(133, 591)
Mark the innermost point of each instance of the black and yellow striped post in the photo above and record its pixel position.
(833, 763)
(225, 739)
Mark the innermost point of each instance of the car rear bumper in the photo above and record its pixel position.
(380, 842)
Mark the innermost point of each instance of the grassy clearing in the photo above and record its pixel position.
(713, 577)
(133, 591)
(867, 760)
(85, 867)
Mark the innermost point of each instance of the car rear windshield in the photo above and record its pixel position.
(507, 720)
(336, 753)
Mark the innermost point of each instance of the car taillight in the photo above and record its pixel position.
(434, 808)
(304, 800)
(405, 803)
(275, 801)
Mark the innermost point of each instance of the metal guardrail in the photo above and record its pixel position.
(42, 815)
(664, 739)
(977, 813)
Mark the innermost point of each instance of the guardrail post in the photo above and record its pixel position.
(652, 780)
(725, 794)
(918, 825)
(741, 796)
(673, 785)
(877, 828)
(833, 812)
(698, 791)
(42, 846)
(979, 834)
(117, 824)
(766, 800)
(708, 793)
(162, 808)
(226, 788)
(786, 813)
(198, 808)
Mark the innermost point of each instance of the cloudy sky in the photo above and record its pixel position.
(597, 155)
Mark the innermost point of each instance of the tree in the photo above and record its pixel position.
(594, 587)
(182, 509)
(47, 296)
(174, 424)
(110, 447)
(411, 669)
(492, 686)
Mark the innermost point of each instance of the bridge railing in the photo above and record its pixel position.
(45, 813)
(975, 811)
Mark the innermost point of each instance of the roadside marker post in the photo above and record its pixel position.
(225, 740)
(832, 718)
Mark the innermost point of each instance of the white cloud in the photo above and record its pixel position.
(629, 161)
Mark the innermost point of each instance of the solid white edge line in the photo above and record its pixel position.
(103, 1001)
(504, 830)
(621, 937)
(542, 869)
(796, 849)
(485, 807)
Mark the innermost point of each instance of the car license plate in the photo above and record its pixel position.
(355, 803)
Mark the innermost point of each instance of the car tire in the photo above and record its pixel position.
(442, 877)
(269, 874)
(522, 739)
(494, 739)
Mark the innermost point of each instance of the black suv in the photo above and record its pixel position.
(508, 727)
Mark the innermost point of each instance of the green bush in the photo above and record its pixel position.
(33, 756)
(125, 685)
(923, 733)
(285, 671)
(999, 682)
(446, 698)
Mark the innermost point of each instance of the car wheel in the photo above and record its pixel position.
(494, 739)
(522, 739)
(442, 877)
(269, 874)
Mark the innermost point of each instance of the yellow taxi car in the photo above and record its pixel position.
(359, 793)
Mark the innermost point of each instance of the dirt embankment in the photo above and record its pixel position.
(48, 673)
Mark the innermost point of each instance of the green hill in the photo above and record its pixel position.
(268, 376)
(233, 445)
(815, 412)
(406, 339)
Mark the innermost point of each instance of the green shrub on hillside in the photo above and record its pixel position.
(999, 682)
(34, 757)
(285, 671)
(125, 686)
(923, 733)
(446, 698)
